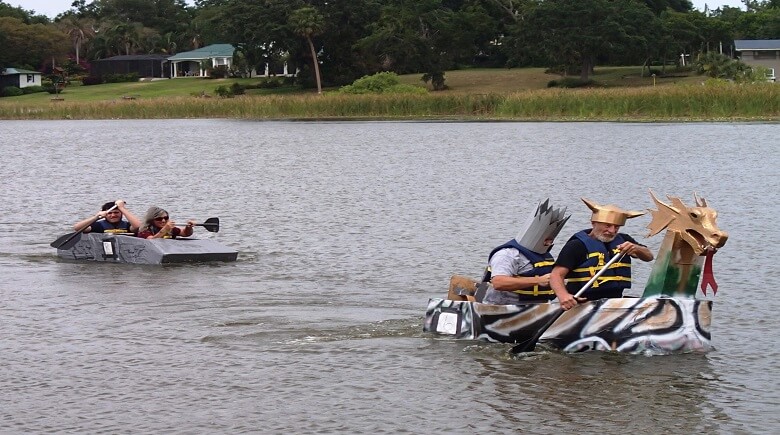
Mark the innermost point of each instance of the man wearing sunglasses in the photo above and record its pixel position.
(158, 225)
(109, 220)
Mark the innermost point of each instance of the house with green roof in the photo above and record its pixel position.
(195, 63)
(21, 78)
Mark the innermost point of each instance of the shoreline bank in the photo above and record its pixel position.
(753, 103)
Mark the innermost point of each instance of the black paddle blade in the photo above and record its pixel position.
(211, 225)
(67, 241)
(527, 344)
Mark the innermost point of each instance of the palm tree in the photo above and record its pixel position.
(124, 36)
(79, 30)
(307, 22)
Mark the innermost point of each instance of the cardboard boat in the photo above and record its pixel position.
(648, 325)
(120, 248)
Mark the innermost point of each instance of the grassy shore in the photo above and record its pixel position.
(503, 94)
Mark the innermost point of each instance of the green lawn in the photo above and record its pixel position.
(618, 94)
(468, 81)
(138, 90)
(485, 81)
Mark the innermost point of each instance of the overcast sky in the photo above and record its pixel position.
(52, 8)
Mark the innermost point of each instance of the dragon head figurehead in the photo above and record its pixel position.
(696, 226)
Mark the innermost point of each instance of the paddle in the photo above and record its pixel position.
(211, 225)
(68, 240)
(529, 344)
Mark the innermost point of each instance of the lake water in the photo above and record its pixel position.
(345, 230)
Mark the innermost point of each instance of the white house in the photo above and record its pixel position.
(191, 63)
(21, 78)
(194, 63)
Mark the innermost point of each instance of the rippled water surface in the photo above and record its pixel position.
(344, 232)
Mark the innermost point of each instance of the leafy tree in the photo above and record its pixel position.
(573, 33)
(259, 29)
(679, 34)
(308, 22)
(340, 61)
(413, 36)
(762, 23)
(512, 9)
(27, 17)
(31, 45)
(3, 61)
(660, 6)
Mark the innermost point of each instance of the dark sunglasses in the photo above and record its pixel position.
(161, 218)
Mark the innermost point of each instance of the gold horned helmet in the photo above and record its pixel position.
(610, 214)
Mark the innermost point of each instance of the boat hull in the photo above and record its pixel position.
(656, 325)
(113, 248)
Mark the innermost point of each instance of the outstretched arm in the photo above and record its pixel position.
(188, 229)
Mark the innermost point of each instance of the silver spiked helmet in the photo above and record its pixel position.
(545, 224)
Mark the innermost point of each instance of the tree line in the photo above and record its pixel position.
(344, 40)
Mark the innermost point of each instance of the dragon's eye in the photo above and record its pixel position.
(694, 215)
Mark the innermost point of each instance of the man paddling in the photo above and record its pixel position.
(109, 220)
(587, 251)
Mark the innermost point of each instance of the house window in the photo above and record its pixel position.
(30, 78)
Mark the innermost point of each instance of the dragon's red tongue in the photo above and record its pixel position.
(707, 277)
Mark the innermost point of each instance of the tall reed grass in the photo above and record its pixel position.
(667, 103)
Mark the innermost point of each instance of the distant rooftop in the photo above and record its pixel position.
(138, 57)
(9, 71)
(756, 44)
(209, 51)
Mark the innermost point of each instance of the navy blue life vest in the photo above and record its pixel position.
(614, 280)
(104, 226)
(541, 265)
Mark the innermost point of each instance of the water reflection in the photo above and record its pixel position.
(545, 392)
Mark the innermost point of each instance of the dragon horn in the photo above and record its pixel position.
(701, 202)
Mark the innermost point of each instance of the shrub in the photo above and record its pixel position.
(224, 92)
(218, 72)
(237, 89)
(569, 82)
(381, 83)
(269, 83)
(11, 91)
(121, 78)
(33, 89)
(91, 80)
